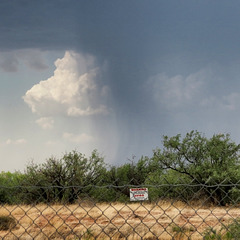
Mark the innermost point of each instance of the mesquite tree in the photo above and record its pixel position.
(213, 163)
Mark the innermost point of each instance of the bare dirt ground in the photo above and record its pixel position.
(163, 220)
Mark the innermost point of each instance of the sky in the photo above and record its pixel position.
(114, 76)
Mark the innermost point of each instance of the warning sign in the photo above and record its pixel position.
(138, 194)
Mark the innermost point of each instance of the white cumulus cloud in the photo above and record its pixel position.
(231, 101)
(72, 90)
(75, 111)
(10, 61)
(228, 102)
(16, 142)
(78, 138)
(176, 91)
(45, 122)
(196, 91)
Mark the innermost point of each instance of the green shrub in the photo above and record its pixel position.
(233, 230)
(171, 185)
(229, 232)
(7, 223)
(212, 234)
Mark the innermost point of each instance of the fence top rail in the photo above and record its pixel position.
(124, 186)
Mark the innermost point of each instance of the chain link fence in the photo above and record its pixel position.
(171, 211)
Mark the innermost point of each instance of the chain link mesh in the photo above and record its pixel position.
(173, 211)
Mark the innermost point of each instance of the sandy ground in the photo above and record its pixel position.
(162, 220)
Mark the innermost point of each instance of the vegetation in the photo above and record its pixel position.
(229, 232)
(185, 168)
(7, 223)
(213, 164)
(182, 232)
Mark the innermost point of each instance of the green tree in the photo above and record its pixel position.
(63, 179)
(9, 187)
(212, 163)
(129, 174)
(84, 174)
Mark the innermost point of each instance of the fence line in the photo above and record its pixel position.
(172, 211)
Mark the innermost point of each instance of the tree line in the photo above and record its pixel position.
(185, 168)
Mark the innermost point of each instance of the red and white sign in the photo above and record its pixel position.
(138, 194)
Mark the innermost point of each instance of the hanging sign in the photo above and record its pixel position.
(138, 194)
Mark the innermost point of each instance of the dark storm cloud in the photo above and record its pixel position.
(135, 36)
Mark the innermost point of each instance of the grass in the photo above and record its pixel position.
(161, 220)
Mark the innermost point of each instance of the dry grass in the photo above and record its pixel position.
(162, 220)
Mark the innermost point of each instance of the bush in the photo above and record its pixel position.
(229, 232)
(63, 180)
(9, 187)
(7, 223)
(171, 185)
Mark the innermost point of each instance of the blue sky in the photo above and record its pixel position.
(114, 75)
